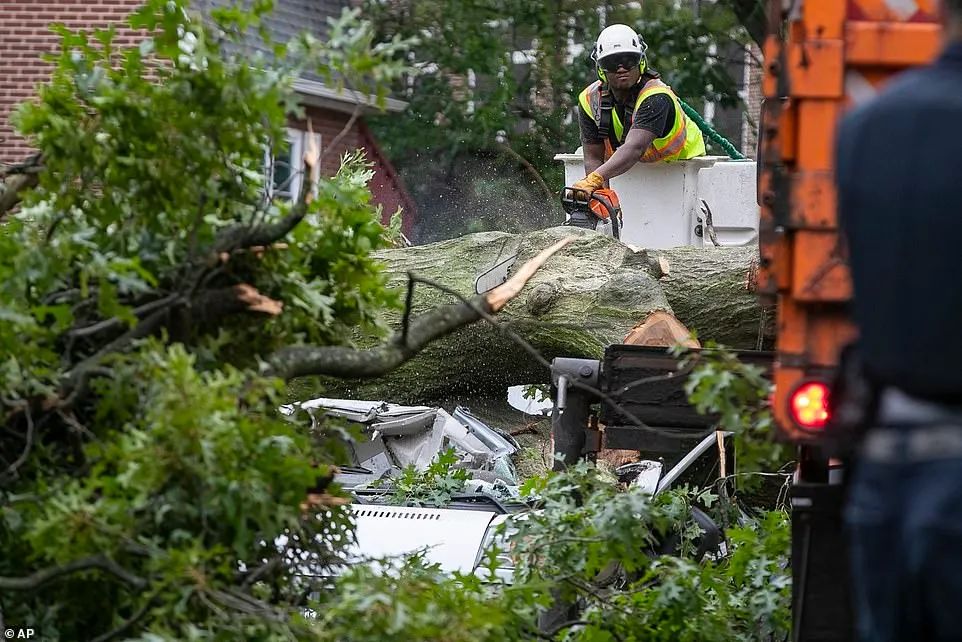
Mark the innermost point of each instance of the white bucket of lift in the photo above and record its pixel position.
(662, 202)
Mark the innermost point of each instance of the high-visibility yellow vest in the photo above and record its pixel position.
(683, 141)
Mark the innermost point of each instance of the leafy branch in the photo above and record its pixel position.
(434, 486)
(99, 562)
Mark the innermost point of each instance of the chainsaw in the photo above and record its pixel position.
(598, 210)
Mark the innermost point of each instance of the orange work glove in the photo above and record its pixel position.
(590, 183)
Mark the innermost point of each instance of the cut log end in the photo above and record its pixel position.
(661, 329)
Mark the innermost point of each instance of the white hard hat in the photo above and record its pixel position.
(618, 39)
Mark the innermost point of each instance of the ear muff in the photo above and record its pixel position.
(602, 76)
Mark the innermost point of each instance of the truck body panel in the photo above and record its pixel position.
(821, 58)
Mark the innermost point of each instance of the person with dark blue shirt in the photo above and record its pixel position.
(899, 181)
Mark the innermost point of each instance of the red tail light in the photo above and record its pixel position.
(808, 405)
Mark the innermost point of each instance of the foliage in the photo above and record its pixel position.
(690, 47)
(433, 486)
(738, 394)
(148, 487)
(178, 494)
(498, 82)
(393, 233)
(417, 601)
(537, 392)
(646, 549)
(625, 562)
(145, 472)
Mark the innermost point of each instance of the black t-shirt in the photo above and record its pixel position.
(655, 113)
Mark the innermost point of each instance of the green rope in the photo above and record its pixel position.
(710, 132)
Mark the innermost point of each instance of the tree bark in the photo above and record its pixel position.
(414, 334)
(713, 292)
(584, 299)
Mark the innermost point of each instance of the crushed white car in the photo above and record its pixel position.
(457, 536)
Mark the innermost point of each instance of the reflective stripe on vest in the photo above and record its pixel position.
(590, 100)
(683, 141)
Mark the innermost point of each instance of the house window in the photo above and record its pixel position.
(285, 170)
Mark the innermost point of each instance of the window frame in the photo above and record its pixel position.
(295, 140)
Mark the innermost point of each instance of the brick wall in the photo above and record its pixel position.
(25, 36)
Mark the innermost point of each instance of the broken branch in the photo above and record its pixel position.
(499, 296)
(13, 187)
(347, 126)
(408, 302)
(22, 176)
(128, 624)
(12, 468)
(254, 301)
(349, 363)
(30, 165)
(265, 234)
(76, 382)
(115, 322)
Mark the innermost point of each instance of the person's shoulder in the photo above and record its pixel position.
(659, 102)
(906, 85)
(592, 87)
(661, 98)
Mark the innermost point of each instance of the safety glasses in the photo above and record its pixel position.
(626, 60)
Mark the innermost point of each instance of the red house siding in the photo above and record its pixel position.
(25, 37)
(386, 187)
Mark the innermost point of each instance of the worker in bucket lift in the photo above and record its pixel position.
(629, 115)
(898, 193)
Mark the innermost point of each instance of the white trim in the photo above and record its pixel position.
(296, 140)
(316, 170)
(318, 94)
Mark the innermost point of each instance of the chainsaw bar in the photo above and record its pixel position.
(494, 275)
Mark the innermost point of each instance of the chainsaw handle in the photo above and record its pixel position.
(570, 200)
(579, 205)
(571, 203)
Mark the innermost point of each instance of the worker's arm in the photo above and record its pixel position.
(636, 143)
(594, 154)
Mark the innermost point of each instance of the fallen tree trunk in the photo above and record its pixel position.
(590, 295)
(712, 291)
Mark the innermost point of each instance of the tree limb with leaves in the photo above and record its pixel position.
(156, 295)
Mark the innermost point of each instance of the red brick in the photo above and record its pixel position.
(25, 36)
